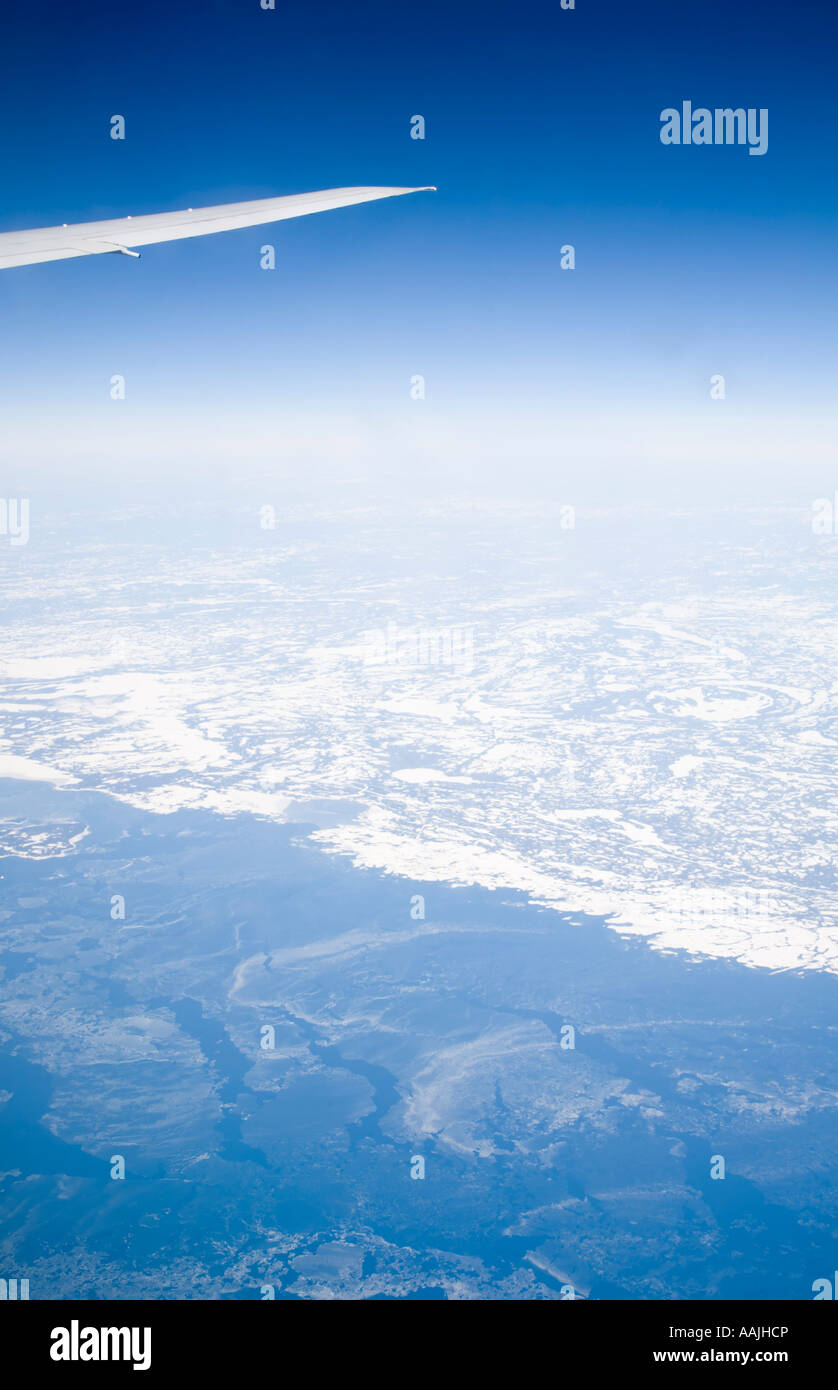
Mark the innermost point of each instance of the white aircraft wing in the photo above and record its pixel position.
(125, 233)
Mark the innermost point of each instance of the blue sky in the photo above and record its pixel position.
(542, 129)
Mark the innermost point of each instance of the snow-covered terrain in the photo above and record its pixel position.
(645, 728)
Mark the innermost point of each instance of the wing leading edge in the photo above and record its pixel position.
(125, 233)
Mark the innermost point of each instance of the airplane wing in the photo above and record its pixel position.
(125, 233)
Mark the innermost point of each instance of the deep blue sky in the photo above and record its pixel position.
(542, 128)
